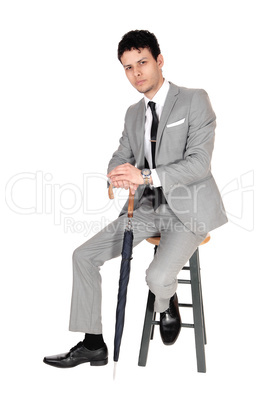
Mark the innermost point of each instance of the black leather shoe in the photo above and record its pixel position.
(170, 322)
(78, 355)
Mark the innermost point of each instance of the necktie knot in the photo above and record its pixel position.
(152, 106)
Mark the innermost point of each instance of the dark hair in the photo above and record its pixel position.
(139, 40)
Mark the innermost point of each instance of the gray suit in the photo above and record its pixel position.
(185, 141)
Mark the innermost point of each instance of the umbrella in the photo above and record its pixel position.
(124, 279)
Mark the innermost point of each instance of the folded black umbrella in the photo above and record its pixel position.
(124, 280)
(122, 292)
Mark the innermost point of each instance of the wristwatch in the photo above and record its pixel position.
(146, 174)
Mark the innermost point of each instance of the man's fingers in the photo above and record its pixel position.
(126, 185)
(133, 187)
(117, 183)
(121, 184)
(120, 169)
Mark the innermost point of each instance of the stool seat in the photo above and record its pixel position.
(156, 240)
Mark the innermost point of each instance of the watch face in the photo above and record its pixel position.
(146, 172)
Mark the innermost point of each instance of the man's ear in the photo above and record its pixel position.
(160, 61)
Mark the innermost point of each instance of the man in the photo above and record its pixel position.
(164, 157)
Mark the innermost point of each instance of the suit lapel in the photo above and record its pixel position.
(139, 138)
(171, 98)
(140, 133)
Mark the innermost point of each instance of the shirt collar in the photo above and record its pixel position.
(160, 96)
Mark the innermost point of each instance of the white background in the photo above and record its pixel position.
(63, 99)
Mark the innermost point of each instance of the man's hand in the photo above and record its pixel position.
(126, 176)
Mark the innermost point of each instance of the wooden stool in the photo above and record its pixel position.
(197, 306)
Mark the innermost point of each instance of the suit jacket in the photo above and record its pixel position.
(185, 141)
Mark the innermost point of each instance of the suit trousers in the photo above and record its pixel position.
(176, 246)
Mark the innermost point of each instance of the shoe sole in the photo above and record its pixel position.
(92, 363)
(99, 362)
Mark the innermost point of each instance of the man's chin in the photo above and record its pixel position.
(144, 90)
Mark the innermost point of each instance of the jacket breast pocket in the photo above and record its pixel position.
(177, 126)
(176, 123)
(175, 130)
(174, 142)
(176, 134)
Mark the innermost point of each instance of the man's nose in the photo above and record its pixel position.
(136, 72)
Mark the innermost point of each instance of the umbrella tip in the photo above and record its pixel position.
(114, 370)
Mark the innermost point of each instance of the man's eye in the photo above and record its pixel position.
(127, 68)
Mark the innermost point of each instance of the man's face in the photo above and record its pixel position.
(143, 71)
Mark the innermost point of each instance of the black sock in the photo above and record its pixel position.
(93, 342)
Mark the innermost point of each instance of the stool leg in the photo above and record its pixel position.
(147, 329)
(202, 306)
(197, 311)
(154, 315)
(203, 316)
(153, 327)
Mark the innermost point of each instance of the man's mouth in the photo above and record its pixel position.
(140, 82)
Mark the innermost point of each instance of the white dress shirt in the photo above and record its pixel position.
(159, 100)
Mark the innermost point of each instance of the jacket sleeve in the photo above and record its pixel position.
(196, 161)
(124, 152)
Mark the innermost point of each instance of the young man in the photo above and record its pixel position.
(164, 156)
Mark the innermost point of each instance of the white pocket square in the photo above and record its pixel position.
(176, 123)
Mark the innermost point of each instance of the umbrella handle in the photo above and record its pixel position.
(131, 200)
(110, 192)
(130, 205)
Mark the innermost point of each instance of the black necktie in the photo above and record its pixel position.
(153, 133)
(158, 196)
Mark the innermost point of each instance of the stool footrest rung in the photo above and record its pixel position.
(184, 281)
(182, 325)
(185, 305)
